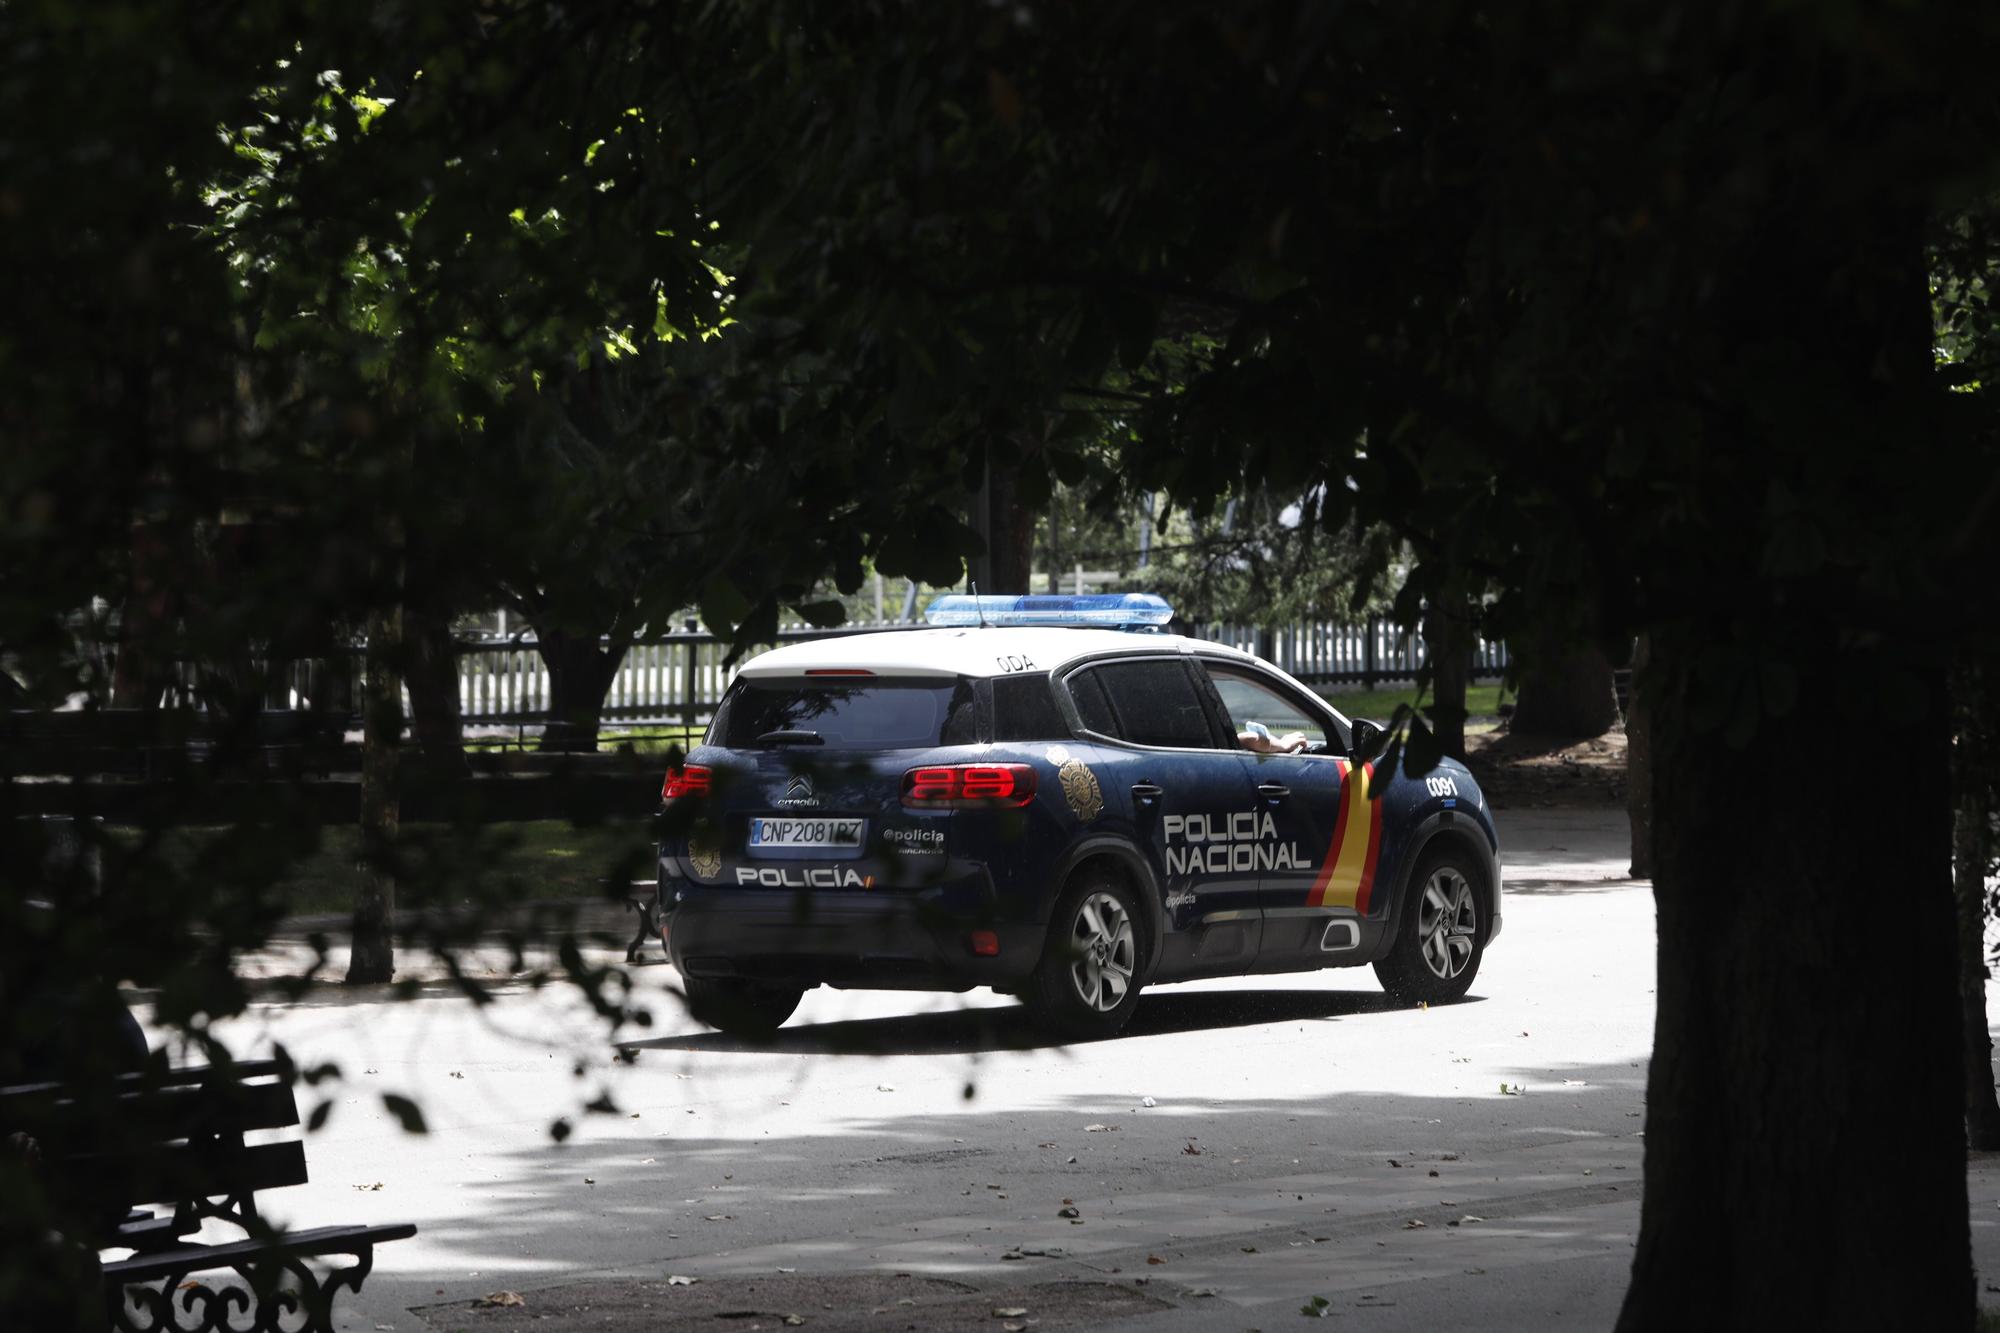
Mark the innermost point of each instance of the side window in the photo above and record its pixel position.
(1156, 703)
(1024, 709)
(1086, 691)
(1262, 717)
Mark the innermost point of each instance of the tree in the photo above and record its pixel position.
(1263, 557)
(1669, 381)
(1449, 622)
(1965, 264)
(1566, 690)
(313, 317)
(1631, 302)
(1975, 772)
(1639, 762)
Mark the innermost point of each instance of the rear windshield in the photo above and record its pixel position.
(875, 713)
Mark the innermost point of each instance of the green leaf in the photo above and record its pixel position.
(723, 605)
(1133, 319)
(1385, 769)
(1032, 487)
(407, 1113)
(930, 550)
(1090, 351)
(760, 625)
(1780, 685)
(1423, 753)
(823, 614)
(1070, 468)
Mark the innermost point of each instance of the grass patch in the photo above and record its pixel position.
(308, 873)
(649, 739)
(1380, 705)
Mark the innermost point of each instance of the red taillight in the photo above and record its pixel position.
(839, 671)
(960, 785)
(688, 780)
(985, 943)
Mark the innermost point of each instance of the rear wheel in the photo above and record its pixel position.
(1442, 934)
(740, 1008)
(1088, 980)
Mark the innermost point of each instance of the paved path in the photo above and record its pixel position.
(1248, 1146)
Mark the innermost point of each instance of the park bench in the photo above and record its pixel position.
(176, 1142)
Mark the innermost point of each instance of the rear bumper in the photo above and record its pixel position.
(858, 940)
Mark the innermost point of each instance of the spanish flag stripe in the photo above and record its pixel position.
(1349, 862)
(1359, 814)
(1368, 868)
(1317, 898)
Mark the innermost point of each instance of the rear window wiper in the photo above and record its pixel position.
(788, 736)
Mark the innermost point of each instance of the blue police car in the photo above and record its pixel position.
(1054, 797)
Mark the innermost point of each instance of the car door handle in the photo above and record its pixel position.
(1273, 790)
(1147, 791)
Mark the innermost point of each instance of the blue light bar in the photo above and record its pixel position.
(1115, 610)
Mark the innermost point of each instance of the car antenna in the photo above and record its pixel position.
(977, 606)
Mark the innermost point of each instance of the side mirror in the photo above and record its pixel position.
(1367, 739)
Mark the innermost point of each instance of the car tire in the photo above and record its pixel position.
(1087, 982)
(740, 1008)
(1441, 935)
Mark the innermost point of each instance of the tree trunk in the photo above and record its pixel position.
(1566, 691)
(1805, 1159)
(1972, 853)
(431, 663)
(330, 679)
(374, 958)
(144, 666)
(1448, 637)
(997, 515)
(580, 672)
(1055, 547)
(1639, 767)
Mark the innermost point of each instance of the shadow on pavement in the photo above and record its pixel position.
(1008, 1027)
(1302, 1184)
(1552, 888)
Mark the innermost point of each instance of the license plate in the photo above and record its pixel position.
(805, 832)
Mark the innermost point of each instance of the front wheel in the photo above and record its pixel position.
(1088, 980)
(1441, 936)
(740, 1008)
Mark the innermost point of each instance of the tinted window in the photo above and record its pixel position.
(1251, 702)
(1024, 709)
(1156, 703)
(875, 714)
(1091, 706)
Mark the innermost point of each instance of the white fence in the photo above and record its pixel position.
(681, 677)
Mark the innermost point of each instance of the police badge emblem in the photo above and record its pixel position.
(705, 851)
(1079, 784)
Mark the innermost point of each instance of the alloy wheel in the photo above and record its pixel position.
(1447, 923)
(1105, 950)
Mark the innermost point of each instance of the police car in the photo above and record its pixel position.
(1054, 797)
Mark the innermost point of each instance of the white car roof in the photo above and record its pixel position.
(991, 651)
